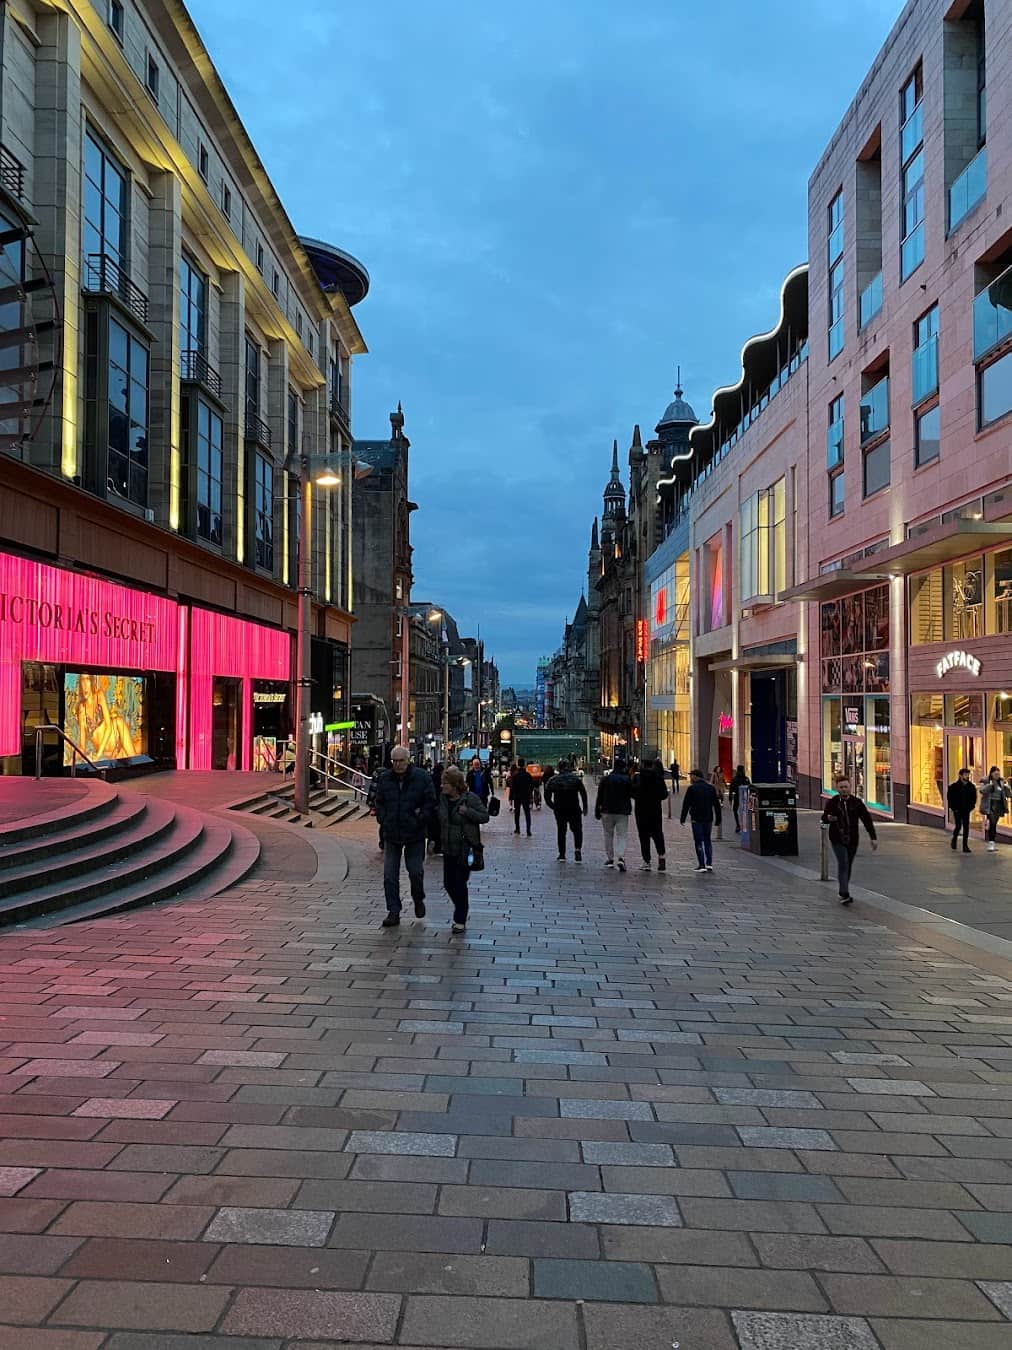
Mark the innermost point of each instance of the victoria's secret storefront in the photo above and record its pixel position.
(129, 677)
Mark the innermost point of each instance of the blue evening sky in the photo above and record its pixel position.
(558, 201)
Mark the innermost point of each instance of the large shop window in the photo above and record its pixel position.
(209, 474)
(105, 207)
(855, 687)
(999, 733)
(927, 774)
(264, 513)
(116, 408)
(764, 542)
(964, 600)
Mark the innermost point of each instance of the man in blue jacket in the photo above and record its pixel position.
(405, 802)
(702, 805)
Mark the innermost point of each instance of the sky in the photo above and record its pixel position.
(558, 203)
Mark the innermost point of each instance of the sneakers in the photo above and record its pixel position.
(966, 848)
(644, 867)
(459, 928)
(846, 899)
(562, 857)
(391, 921)
(621, 864)
(709, 868)
(577, 856)
(609, 862)
(661, 865)
(700, 868)
(992, 847)
(419, 909)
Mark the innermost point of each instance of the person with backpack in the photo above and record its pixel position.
(566, 796)
(461, 814)
(613, 808)
(649, 790)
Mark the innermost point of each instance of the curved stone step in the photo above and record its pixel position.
(87, 852)
(97, 798)
(117, 816)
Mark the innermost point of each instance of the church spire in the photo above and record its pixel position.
(595, 543)
(637, 442)
(615, 472)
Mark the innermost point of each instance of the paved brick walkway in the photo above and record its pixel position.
(625, 1113)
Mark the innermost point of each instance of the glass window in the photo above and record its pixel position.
(192, 307)
(293, 422)
(834, 433)
(964, 710)
(153, 79)
(925, 356)
(202, 160)
(994, 398)
(999, 733)
(927, 435)
(836, 494)
(999, 616)
(878, 769)
(105, 205)
(836, 275)
(779, 568)
(832, 743)
(127, 463)
(874, 410)
(116, 18)
(264, 510)
(926, 607)
(927, 778)
(963, 598)
(209, 474)
(877, 468)
(912, 176)
(252, 378)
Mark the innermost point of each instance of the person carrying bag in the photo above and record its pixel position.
(461, 814)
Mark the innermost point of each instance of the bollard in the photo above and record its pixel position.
(823, 852)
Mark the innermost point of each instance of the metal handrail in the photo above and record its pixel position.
(78, 752)
(317, 757)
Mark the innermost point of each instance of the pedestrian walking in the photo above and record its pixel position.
(566, 796)
(433, 827)
(536, 773)
(995, 795)
(649, 790)
(740, 780)
(461, 814)
(521, 793)
(676, 775)
(613, 808)
(405, 805)
(844, 813)
(479, 780)
(719, 784)
(962, 798)
(701, 806)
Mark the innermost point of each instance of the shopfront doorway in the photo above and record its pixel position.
(964, 749)
(226, 723)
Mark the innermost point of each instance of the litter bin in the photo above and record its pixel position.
(772, 820)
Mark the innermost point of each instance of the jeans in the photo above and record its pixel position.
(527, 815)
(616, 831)
(414, 861)
(962, 822)
(455, 876)
(992, 829)
(572, 820)
(701, 838)
(845, 855)
(650, 830)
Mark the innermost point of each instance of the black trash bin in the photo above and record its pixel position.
(773, 820)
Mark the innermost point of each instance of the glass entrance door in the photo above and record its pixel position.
(964, 750)
(226, 723)
(853, 762)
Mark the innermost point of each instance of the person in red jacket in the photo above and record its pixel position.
(844, 813)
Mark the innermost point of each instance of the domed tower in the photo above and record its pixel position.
(614, 501)
(676, 422)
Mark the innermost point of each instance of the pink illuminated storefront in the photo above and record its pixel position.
(133, 679)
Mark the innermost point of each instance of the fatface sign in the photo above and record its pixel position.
(958, 660)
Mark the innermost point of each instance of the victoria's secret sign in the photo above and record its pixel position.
(69, 618)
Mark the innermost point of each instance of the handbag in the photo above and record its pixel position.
(493, 806)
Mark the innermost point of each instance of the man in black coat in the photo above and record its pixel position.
(649, 790)
(962, 798)
(843, 814)
(521, 795)
(405, 804)
(702, 804)
(567, 797)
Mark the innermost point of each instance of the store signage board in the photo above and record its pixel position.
(958, 660)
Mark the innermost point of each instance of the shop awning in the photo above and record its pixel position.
(939, 544)
(829, 585)
(755, 661)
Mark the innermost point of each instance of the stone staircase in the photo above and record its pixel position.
(325, 808)
(72, 850)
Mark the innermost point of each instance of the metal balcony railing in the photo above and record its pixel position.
(12, 173)
(106, 276)
(196, 369)
(258, 431)
(871, 301)
(339, 408)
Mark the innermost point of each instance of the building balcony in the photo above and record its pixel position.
(992, 315)
(194, 368)
(339, 411)
(870, 302)
(12, 174)
(258, 432)
(968, 189)
(875, 411)
(105, 275)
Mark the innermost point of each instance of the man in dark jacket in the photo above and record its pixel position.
(405, 805)
(843, 814)
(479, 780)
(613, 808)
(962, 798)
(567, 797)
(740, 780)
(649, 790)
(521, 795)
(702, 805)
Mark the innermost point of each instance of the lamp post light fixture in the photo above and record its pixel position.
(321, 471)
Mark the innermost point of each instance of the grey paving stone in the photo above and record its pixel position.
(891, 1221)
(372, 1197)
(790, 1251)
(676, 1246)
(899, 1296)
(782, 1186)
(277, 1227)
(766, 1097)
(759, 1137)
(790, 1331)
(664, 1181)
(730, 1287)
(965, 1260)
(519, 1238)
(439, 1273)
(406, 1142)
(986, 1227)
(406, 1232)
(1000, 1294)
(503, 1202)
(629, 1155)
(891, 1087)
(551, 1176)
(896, 1333)
(558, 1057)
(489, 1324)
(631, 1327)
(598, 1281)
(582, 1108)
(596, 1207)
(486, 1087)
(411, 1168)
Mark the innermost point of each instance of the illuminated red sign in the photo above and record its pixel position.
(642, 640)
(661, 607)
